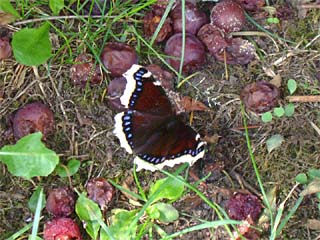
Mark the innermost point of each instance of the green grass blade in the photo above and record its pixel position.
(20, 232)
(37, 217)
(164, 17)
(286, 219)
(254, 164)
(206, 225)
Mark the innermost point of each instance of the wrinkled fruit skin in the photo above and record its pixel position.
(238, 51)
(194, 18)
(60, 202)
(115, 90)
(61, 229)
(118, 58)
(228, 15)
(194, 55)
(165, 77)
(85, 70)
(213, 38)
(150, 24)
(244, 207)
(251, 5)
(33, 117)
(5, 48)
(100, 191)
(260, 97)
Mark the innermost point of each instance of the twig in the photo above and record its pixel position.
(315, 98)
(306, 6)
(58, 18)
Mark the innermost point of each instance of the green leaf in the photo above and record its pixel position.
(314, 173)
(168, 188)
(32, 46)
(120, 223)
(56, 6)
(32, 203)
(289, 110)
(29, 157)
(6, 6)
(273, 20)
(292, 86)
(278, 111)
(266, 117)
(302, 178)
(69, 170)
(88, 211)
(274, 142)
(166, 213)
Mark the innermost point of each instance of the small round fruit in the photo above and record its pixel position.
(5, 48)
(150, 23)
(228, 15)
(213, 38)
(60, 202)
(194, 18)
(85, 70)
(118, 58)
(61, 229)
(115, 90)
(244, 206)
(260, 96)
(100, 191)
(194, 55)
(33, 117)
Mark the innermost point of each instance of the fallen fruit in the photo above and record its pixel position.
(100, 191)
(61, 229)
(244, 207)
(194, 18)
(194, 55)
(260, 96)
(115, 91)
(60, 202)
(228, 15)
(5, 48)
(85, 70)
(33, 117)
(118, 58)
(150, 23)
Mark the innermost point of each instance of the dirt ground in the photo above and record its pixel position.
(84, 124)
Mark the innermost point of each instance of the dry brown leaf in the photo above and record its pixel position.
(6, 18)
(313, 224)
(276, 80)
(189, 104)
(313, 187)
(212, 139)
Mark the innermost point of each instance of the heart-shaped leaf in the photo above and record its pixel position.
(292, 85)
(274, 142)
(168, 188)
(56, 6)
(69, 170)
(166, 213)
(29, 157)
(6, 6)
(88, 211)
(32, 46)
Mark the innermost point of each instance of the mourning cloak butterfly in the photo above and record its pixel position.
(150, 129)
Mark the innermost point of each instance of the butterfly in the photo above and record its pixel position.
(149, 126)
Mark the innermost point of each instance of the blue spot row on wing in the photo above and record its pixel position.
(157, 160)
(127, 126)
(139, 86)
